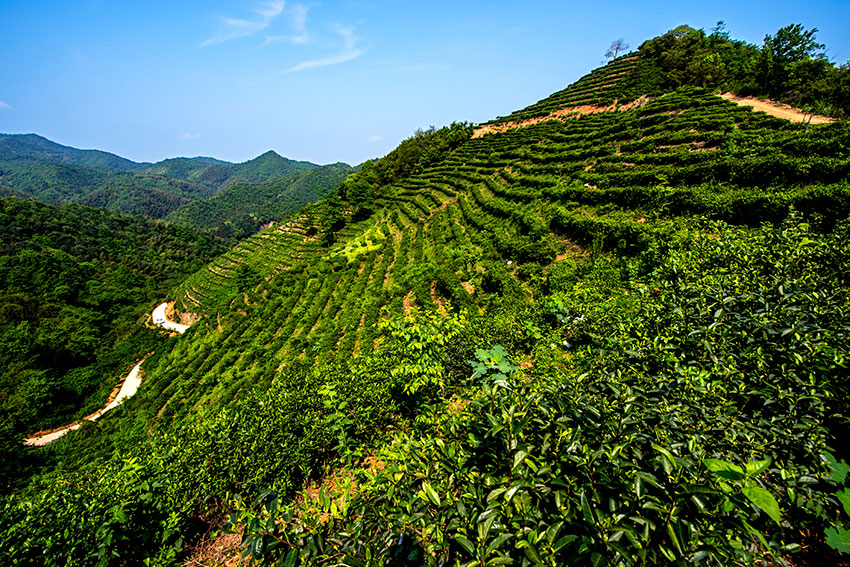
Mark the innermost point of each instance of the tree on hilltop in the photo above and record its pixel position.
(792, 53)
(617, 46)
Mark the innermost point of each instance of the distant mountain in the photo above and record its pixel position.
(33, 167)
(51, 182)
(22, 149)
(9, 192)
(181, 168)
(241, 209)
(219, 174)
(154, 197)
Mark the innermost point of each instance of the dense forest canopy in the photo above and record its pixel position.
(790, 65)
(241, 209)
(76, 283)
(610, 328)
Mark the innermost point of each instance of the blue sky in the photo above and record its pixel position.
(329, 81)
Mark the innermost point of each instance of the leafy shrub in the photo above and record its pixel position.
(676, 438)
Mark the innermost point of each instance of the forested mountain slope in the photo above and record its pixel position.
(24, 149)
(75, 283)
(37, 168)
(240, 210)
(220, 174)
(608, 329)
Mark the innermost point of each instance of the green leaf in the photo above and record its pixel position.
(673, 538)
(484, 529)
(466, 544)
(844, 498)
(668, 461)
(620, 550)
(497, 542)
(585, 508)
(648, 478)
(763, 500)
(511, 492)
(566, 540)
(519, 458)
(495, 493)
(756, 467)
(257, 548)
(431, 493)
(839, 470)
(531, 553)
(838, 539)
(723, 469)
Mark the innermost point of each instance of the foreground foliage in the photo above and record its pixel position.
(693, 429)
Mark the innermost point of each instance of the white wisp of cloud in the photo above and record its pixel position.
(235, 28)
(298, 21)
(349, 52)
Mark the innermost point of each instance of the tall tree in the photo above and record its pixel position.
(791, 46)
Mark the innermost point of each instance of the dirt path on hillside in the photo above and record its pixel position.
(562, 114)
(777, 109)
(161, 319)
(128, 387)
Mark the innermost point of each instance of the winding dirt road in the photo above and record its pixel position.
(777, 109)
(128, 388)
(160, 319)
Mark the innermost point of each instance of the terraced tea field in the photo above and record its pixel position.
(495, 216)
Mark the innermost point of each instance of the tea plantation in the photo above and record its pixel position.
(610, 328)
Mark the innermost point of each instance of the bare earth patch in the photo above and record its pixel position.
(562, 114)
(220, 550)
(777, 109)
(407, 303)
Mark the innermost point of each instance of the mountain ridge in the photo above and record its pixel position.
(33, 146)
(32, 166)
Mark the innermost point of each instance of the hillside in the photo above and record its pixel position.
(610, 328)
(25, 149)
(36, 168)
(75, 282)
(218, 174)
(241, 209)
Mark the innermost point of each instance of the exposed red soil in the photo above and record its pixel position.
(778, 109)
(562, 114)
